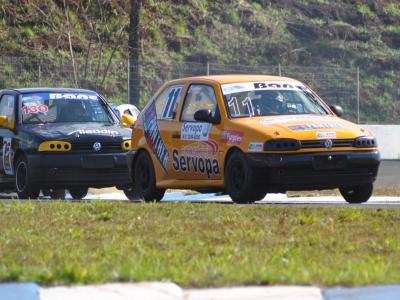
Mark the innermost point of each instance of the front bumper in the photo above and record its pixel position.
(130, 157)
(64, 170)
(282, 172)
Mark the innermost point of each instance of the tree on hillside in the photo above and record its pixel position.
(133, 44)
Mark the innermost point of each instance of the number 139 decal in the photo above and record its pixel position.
(34, 109)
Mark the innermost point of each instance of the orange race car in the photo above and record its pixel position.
(248, 135)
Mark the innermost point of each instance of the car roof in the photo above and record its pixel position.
(48, 89)
(234, 78)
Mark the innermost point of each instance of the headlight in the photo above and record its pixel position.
(282, 145)
(365, 142)
(126, 145)
(55, 146)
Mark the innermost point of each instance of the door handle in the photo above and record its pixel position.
(176, 136)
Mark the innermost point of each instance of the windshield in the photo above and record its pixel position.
(64, 107)
(250, 99)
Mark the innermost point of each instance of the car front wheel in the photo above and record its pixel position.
(240, 180)
(145, 179)
(23, 183)
(131, 194)
(358, 193)
(78, 193)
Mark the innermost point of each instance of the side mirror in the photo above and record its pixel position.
(337, 109)
(127, 120)
(205, 115)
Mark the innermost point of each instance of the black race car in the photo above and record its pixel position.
(55, 139)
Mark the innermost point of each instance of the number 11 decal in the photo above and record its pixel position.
(233, 104)
(249, 105)
(170, 106)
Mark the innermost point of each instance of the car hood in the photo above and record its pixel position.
(303, 127)
(79, 131)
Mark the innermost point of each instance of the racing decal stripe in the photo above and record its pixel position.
(153, 136)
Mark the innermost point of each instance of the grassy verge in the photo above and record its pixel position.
(198, 245)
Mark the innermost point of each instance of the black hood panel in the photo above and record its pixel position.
(79, 132)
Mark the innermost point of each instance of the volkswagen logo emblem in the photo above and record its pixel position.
(328, 144)
(97, 146)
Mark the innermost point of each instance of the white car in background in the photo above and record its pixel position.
(128, 109)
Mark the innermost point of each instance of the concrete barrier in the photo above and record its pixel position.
(388, 139)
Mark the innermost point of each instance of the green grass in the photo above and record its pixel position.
(198, 245)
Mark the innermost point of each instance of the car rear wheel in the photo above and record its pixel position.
(358, 193)
(78, 193)
(23, 182)
(145, 179)
(57, 194)
(240, 180)
(131, 194)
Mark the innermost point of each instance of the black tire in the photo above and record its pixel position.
(46, 192)
(57, 194)
(145, 179)
(78, 193)
(131, 194)
(240, 180)
(23, 182)
(358, 193)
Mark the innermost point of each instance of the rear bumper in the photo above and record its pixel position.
(281, 172)
(65, 170)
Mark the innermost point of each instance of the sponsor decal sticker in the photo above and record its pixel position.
(198, 157)
(201, 149)
(32, 98)
(314, 126)
(231, 137)
(8, 155)
(152, 134)
(326, 135)
(256, 147)
(184, 162)
(287, 119)
(255, 86)
(59, 96)
(193, 131)
(72, 96)
(94, 132)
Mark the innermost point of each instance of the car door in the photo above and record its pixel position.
(195, 150)
(7, 135)
(159, 125)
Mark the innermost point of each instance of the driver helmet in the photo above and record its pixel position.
(76, 108)
(272, 101)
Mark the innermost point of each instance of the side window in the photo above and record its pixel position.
(167, 101)
(7, 108)
(199, 96)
